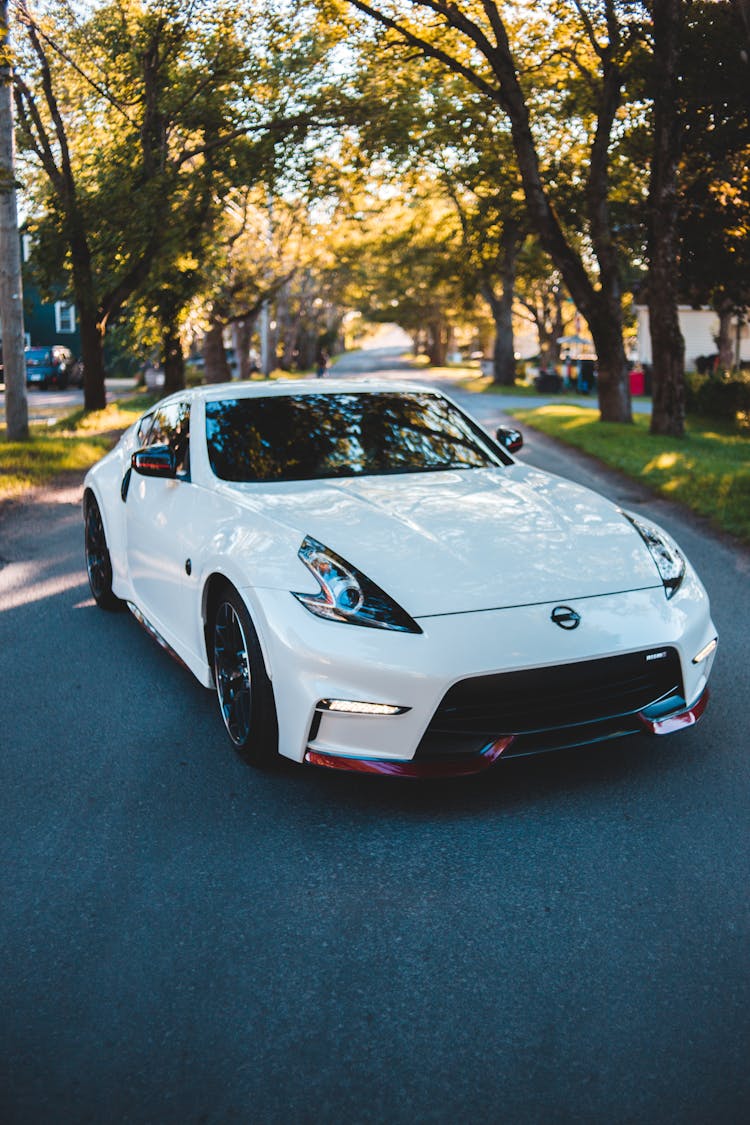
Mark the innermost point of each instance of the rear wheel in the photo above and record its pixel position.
(243, 688)
(98, 562)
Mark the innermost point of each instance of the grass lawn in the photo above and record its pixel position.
(484, 384)
(708, 470)
(72, 444)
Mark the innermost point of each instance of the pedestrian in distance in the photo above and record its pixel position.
(322, 367)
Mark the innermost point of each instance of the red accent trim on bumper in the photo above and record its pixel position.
(684, 719)
(458, 766)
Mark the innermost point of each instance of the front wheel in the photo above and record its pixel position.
(243, 688)
(98, 562)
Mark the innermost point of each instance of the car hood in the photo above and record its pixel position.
(457, 541)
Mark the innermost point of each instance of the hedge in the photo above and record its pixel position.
(718, 396)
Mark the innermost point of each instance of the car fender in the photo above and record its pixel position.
(104, 480)
(221, 567)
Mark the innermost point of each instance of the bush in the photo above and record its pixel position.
(547, 381)
(705, 364)
(718, 396)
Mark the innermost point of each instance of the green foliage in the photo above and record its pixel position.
(722, 396)
(71, 446)
(138, 122)
(715, 172)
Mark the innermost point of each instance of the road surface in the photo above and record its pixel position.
(185, 939)
(50, 405)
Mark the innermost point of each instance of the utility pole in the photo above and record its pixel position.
(265, 340)
(11, 287)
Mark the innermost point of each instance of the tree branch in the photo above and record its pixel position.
(27, 18)
(35, 131)
(430, 50)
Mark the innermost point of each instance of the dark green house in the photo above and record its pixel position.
(50, 322)
(47, 322)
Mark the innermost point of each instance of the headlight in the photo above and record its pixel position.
(348, 596)
(670, 562)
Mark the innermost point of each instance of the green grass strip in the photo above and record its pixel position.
(72, 445)
(708, 470)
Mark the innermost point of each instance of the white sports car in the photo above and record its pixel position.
(371, 582)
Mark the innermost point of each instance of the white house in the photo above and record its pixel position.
(699, 328)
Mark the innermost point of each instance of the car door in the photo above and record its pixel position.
(159, 524)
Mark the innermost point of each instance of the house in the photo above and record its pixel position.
(47, 322)
(699, 328)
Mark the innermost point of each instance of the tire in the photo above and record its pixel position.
(98, 562)
(243, 689)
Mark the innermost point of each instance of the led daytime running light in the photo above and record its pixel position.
(354, 707)
(706, 651)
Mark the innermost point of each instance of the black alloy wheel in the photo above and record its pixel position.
(98, 562)
(242, 686)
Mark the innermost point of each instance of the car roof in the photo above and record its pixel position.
(215, 392)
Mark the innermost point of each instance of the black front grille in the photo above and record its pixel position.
(566, 705)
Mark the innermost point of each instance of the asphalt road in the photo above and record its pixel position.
(49, 405)
(185, 939)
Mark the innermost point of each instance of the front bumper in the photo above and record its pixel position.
(463, 765)
(310, 660)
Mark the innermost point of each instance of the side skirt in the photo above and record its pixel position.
(156, 635)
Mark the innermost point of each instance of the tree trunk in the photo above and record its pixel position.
(503, 351)
(290, 350)
(724, 338)
(173, 359)
(11, 286)
(548, 318)
(605, 323)
(92, 354)
(90, 319)
(667, 344)
(242, 332)
(438, 343)
(504, 358)
(217, 368)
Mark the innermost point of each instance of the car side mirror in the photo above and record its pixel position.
(512, 440)
(154, 461)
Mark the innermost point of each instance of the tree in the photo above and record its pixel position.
(714, 200)
(403, 262)
(667, 344)
(129, 113)
(540, 293)
(472, 158)
(418, 129)
(486, 47)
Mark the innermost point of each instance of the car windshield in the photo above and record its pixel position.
(38, 355)
(316, 436)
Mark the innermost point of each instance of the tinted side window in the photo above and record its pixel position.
(143, 429)
(171, 426)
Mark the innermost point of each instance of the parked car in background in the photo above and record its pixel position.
(52, 365)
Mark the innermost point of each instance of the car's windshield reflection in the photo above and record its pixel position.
(317, 436)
